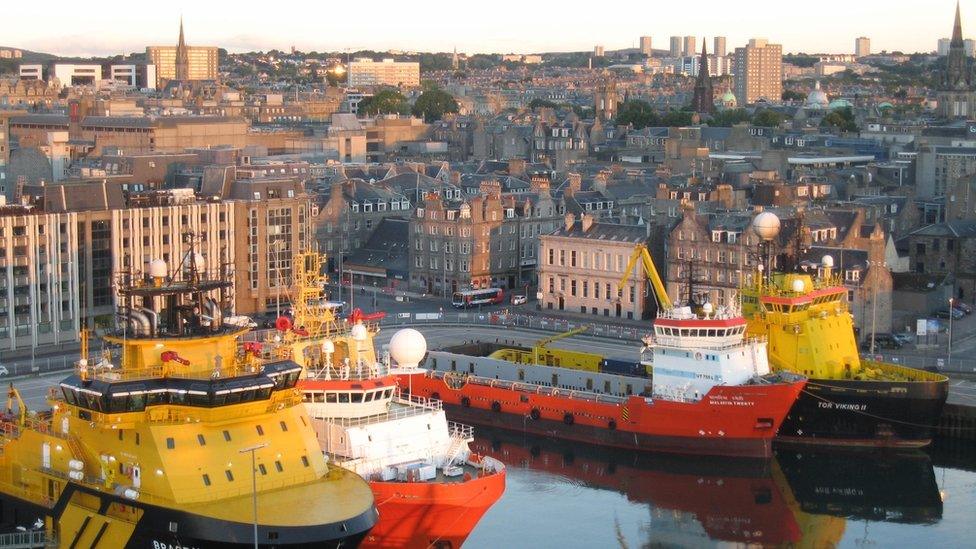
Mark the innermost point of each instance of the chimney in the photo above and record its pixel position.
(537, 182)
(574, 183)
(587, 221)
(516, 166)
(569, 220)
(600, 182)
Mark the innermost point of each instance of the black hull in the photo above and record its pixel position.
(154, 528)
(891, 414)
(896, 487)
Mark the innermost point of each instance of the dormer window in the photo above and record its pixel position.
(716, 236)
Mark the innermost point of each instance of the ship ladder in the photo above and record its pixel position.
(457, 444)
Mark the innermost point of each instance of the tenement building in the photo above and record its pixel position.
(581, 265)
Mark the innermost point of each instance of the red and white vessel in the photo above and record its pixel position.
(711, 391)
(430, 489)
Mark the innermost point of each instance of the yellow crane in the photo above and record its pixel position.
(13, 396)
(641, 254)
(541, 344)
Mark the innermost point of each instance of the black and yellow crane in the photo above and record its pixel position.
(542, 343)
(640, 254)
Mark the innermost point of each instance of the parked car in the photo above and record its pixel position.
(882, 341)
(519, 299)
(904, 339)
(953, 313)
(962, 306)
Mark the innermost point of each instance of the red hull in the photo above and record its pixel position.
(431, 514)
(729, 421)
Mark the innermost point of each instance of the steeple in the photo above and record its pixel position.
(703, 101)
(957, 29)
(182, 57)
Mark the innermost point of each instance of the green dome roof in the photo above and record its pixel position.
(840, 104)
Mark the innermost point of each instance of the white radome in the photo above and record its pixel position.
(707, 308)
(359, 333)
(408, 347)
(158, 268)
(798, 285)
(198, 261)
(328, 347)
(828, 261)
(766, 225)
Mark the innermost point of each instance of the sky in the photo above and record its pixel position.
(99, 27)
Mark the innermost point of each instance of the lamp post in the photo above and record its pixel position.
(874, 302)
(949, 353)
(254, 484)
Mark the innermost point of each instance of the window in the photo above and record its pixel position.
(260, 430)
(305, 461)
(278, 466)
(206, 479)
(230, 475)
(170, 443)
(201, 440)
(284, 426)
(262, 468)
(227, 436)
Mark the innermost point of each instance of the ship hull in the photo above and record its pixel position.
(729, 421)
(154, 526)
(858, 413)
(418, 515)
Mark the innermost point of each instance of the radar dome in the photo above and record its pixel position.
(828, 261)
(328, 347)
(199, 263)
(408, 347)
(359, 333)
(707, 308)
(798, 285)
(158, 268)
(766, 225)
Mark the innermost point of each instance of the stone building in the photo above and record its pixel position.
(581, 264)
(458, 244)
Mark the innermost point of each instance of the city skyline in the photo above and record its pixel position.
(510, 27)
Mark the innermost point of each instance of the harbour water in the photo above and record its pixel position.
(571, 495)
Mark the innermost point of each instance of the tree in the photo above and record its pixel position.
(767, 118)
(727, 119)
(790, 95)
(542, 103)
(434, 103)
(843, 119)
(637, 112)
(677, 118)
(386, 101)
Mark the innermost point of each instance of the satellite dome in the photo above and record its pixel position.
(198, 261)
(328, 347)
(158, 268)
(798, 285)
(766, 225)
(359, 332)
(408, 347)
(707, 308)
(828, 261)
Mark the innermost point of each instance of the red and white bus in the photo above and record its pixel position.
(473, 298)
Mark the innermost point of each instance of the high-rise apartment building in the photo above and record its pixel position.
(719, 48)
(676, 47)
(182, 62)
(645, 45)
(862, 47)
(366, 72)
(758, 71)
(690, 44)
(598, 51)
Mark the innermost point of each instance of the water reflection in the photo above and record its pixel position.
(799, 499)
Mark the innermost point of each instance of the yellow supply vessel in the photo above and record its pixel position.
(184, 438)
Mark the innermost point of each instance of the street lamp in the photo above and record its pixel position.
(254, 484)
(949, 353)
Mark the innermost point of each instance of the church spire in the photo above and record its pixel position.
(957, 28)
(182, 43)
(182, 57)
(703, 101)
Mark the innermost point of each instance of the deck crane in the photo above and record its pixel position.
(641, 254)
(541, 344)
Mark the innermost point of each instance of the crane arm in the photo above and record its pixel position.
(641, 254)
(557, 337)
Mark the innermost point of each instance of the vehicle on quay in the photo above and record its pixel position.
(175, 438)
(712, 392)
(430, 489)
(473, 298)
(849, 401)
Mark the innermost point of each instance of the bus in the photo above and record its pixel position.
(473, 298)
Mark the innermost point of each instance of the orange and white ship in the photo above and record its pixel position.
(430, 489)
